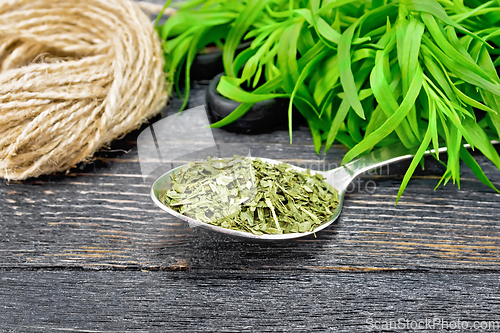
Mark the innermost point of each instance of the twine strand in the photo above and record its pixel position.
(74, 75)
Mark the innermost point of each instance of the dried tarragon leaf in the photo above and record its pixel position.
(251, 195)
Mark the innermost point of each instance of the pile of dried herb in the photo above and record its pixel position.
(251, 195)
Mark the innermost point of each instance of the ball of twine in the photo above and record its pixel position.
(74, 75)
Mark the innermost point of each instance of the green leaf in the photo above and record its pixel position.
(182, 21)
(392, 122)
(313, 126)
(258, 58)
(345, 71)
(229, 87)
(433, 124)
(493, 101)
(434, 8)
(193, 49)
(384, 95)
(336, 123)
(269, 86)
(308, 69)
(465, 73)
(287, 56)
(479, 139)
(452, 53)
(160, 15)
(378, 3)
(335, 4)
(414, 163)
(409, 61)
(474, 166)
(235, 35)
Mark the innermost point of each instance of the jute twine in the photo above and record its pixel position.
(74, 75)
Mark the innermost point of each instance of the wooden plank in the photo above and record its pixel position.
(103, 217)
(89, 252)
(100, 216)
(83, 301)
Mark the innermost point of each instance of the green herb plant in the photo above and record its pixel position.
(364, 73)
(251, 195)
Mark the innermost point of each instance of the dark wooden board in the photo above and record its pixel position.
(89, 251)
(100, 215)
(76, 301)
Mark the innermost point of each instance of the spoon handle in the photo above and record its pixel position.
(380, 157)
(341, 177)
(389, 154)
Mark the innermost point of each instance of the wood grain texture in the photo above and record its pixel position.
(103, 301)
(89, 251)
(100, 215)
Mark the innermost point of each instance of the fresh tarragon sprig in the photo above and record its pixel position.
(365, 73)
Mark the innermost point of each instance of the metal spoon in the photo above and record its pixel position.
(339, 178)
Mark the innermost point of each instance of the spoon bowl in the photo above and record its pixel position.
(339, 178)
(159, 186)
